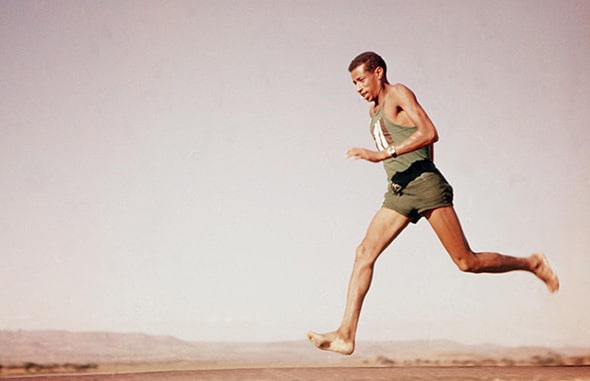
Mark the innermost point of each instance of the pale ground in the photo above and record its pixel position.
(342, 374)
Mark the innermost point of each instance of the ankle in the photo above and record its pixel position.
(535, 262)
(345, 335)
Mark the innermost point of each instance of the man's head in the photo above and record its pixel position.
(371, 60)
(368, 72)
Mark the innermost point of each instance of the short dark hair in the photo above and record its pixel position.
(371, 60)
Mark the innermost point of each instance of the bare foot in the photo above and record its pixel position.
(545, 273)
(331, 342)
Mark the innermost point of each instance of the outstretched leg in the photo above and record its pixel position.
(384, 227)
(446, 224)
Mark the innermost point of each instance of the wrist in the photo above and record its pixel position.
(391, 152)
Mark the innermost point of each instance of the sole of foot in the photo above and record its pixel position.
(546, 273)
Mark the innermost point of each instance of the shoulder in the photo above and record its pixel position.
(399, 87)
(399, 90)
(400, 96)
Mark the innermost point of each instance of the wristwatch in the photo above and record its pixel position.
(391, 150)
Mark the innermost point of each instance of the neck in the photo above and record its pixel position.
(382, 94)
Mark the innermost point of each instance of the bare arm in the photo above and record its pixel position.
(367, 154)
(425, 135)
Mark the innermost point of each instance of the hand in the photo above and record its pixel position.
(365, 154)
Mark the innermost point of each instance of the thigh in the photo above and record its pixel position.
(446, 225)
(384, 227)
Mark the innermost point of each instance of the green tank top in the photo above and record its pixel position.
(385, 133)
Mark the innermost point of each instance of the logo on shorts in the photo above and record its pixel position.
(396, 189)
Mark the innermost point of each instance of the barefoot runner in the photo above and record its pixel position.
(404, 136)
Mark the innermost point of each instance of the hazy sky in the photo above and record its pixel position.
(177, 167)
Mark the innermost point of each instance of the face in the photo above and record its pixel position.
(367, 83)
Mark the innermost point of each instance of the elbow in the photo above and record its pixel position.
(428, 134)
(431, 137)
(434, 137)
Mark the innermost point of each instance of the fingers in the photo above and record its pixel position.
(354, 153)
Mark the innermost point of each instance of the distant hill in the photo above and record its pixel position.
(46, 347)
(108, 347)
(62, 346)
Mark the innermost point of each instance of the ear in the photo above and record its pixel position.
(379, 73)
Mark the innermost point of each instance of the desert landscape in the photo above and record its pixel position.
(340, 374)
(69, 356)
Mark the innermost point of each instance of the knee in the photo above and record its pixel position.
(365, 255)
(468, 263)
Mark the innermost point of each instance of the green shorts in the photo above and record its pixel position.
(428, 191)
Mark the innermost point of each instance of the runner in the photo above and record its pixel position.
(404, 136)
